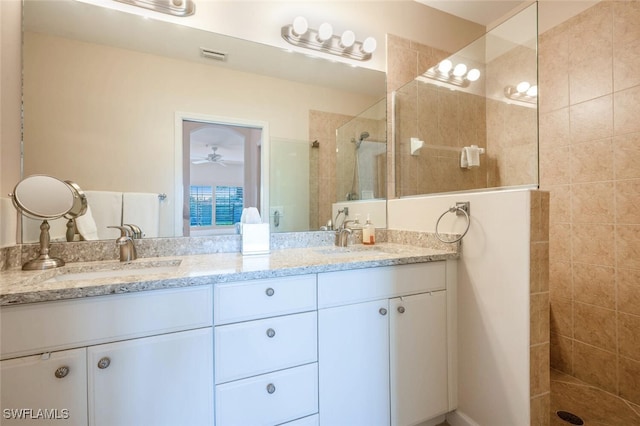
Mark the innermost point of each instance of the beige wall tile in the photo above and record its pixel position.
(595, 285)
(560, 280)
(627, 156)
(628, 246)
(561, 317)
(554, 128)
(560, 242)
(539, 369)
(595, 326)
(561, 353)
(590, 47)
(555, 165)
(629, 372)
(539, 318)
(626, 49)
(593, 244)
(626, 105)
(628, 201)
(592, 202)
(560, 203)
(628, 281)
(539, 274)
(592, 120)
(628, 335)
(540, 406)
(553, 70)
(595, 366)
(592, 161)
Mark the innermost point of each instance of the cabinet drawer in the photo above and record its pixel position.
(48, 326)
(249, 300)
(362, 285)
(294, 394)
(255, 347)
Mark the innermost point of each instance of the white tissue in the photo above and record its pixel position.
(250, 215)
(256, 237)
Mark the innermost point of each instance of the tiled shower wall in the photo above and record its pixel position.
(590, 163)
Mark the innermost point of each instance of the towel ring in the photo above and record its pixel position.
(453, 209)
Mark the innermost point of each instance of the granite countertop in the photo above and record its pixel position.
(17, 286)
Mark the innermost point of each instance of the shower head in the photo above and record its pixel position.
(358, 142)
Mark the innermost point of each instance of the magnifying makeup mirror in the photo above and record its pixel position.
(47, 198)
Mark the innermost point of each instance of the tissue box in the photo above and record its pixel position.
(255, 238)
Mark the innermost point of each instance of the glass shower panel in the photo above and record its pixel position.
(470, 121)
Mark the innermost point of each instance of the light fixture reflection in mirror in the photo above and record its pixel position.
(458, 75)
(324, 40)
(45, 197)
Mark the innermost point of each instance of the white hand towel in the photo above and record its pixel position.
(142, 209)
(106, 209)
(86, 226)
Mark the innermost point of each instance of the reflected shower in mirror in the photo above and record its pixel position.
(467, 123)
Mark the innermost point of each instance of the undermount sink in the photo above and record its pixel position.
(116, 271)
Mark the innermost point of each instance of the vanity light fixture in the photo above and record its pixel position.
(458, 75)
(523, 92)
(324, 40)
(170, 7)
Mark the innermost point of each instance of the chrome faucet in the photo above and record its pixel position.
(342, 233)
(136, 232)
(125, 244)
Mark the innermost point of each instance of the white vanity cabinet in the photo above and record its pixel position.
(130, 359)
(55, 382)
(386, 344)
(266, 352)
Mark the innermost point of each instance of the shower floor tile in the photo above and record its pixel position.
(593, 405)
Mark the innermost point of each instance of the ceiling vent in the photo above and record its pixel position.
(213, 54)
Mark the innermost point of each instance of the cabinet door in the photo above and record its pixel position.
(51, 387)
(353, 358)
(160, 380)
(418, 327)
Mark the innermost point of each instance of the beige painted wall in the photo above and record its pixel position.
(10, 92)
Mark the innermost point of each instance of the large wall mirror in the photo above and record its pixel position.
(105, 94)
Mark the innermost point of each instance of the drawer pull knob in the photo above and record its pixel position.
(270, 292)
(104, 362)
(383, 311)
(271, 332)
(271, 388)
(62, 372)
(401, 309)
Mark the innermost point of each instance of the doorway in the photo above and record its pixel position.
(220, 169)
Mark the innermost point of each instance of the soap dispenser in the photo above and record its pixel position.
(368, 232)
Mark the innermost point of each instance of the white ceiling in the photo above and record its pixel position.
(484, 12)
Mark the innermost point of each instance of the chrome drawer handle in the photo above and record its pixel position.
(271, 388)
(271, 332)
(270, 292)
(104, 362)
(383, 311)
(62, 372)
(401, 309)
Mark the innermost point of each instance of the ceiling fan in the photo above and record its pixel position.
(214, 157)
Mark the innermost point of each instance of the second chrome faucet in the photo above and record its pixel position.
(125, 243)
